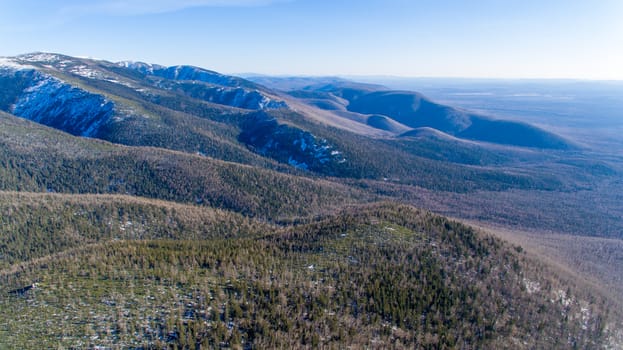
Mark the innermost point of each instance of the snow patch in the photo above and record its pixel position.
(561, 296)
(90, 73)
(87, 72)
(6, 62)
(302, 143)
(294, 163)
(531, 286)
(41, 57)
(144, 68)
(585, 315)
(125, 225)
(64, 64)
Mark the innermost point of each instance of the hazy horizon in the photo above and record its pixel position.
(448, 39)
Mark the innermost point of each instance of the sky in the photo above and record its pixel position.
(578, 39)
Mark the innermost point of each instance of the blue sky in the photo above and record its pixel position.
(416, 38)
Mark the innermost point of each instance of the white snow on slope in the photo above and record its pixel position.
(11, 63)
(41, 57)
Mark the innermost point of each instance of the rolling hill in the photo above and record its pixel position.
(162, 207)
(413, 110)
(154, 273)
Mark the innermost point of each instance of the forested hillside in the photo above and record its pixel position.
(153, 207)
(376, 276)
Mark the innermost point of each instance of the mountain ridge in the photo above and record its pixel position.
(227, 223)
(153, 117)
(410, 109)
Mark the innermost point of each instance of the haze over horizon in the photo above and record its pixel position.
(481, 39)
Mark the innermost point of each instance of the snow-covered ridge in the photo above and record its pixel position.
(41, 57)
(63, 63)
(11, 63)
(218, 88)
(182, 73)
(144, 68)
(199, 74)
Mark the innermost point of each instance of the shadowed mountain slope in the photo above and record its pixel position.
(411, 110)
(414, 110)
